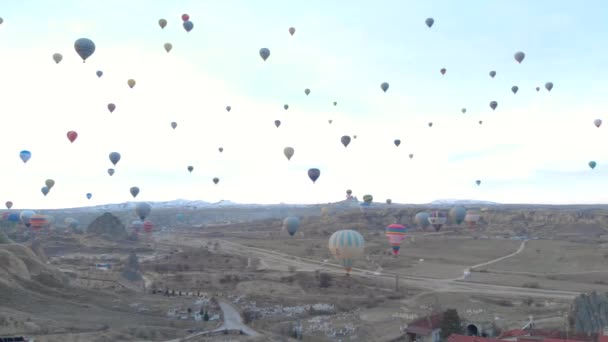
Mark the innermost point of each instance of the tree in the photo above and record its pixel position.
(590, 313)
(450, 323)
(324, 280)
(206, 316)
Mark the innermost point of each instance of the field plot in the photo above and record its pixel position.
(556, 257)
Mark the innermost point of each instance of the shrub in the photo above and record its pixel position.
(324, 280)
(531, 285)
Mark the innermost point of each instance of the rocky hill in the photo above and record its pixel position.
(108, 226)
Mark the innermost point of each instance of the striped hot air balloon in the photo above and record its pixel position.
(472, 217)
(346, 246)
(395, 234)
(148, 226)
(38, 221)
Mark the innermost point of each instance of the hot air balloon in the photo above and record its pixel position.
(57, 57)
(537, 89)
(478, 182)
(111, 172)
(185, 17)
(25, 217)
(173, 124)
(286, 106)
(72, 135)
(162, 23)
(277, 123)
(492, 73)
(111, 107)
(84, 48)
(345, 140)
(188, 25)
(228, 108)
(429, 22)
(493, 105)
(71, 222)
(131, 82)
(458, 214)
(346, 246)
(148, 226)
(49, 183)
(368, 199)
(549, 86)
(389, 201)
(264, 53)
(437, 219)
(292, 30)
(597, 123)
(355, 136)
(314, 174)
(422, 219)
(168, 47)
(114, 158)
(99, 73)
(89, 195)
(221, 149)
(472, 217)
(335, 103)
(324, 212)
(430, 124)
(137, 225)
(134, 191)
(13, 217)
(442, 71)
(142, 210)
(216, 180)
(519, 56)
(38, 221)
(330, 121)
(292, 224)
(384, 86)
(395, 234)
(480, 122)
(8, 204)
(307, 91)
(514, 89)
(1, 21)
(190, 168)
(397, 142)
(288, 152)
(592, 164)
(44, 190)
(411, 155)
(463, 110)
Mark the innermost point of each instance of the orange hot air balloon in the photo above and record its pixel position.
(72, 135)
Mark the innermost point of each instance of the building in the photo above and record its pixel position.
(425, 329)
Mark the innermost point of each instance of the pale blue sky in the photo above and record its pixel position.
(534, 148)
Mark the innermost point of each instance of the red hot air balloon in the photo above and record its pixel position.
(185, 17)
(72, 136)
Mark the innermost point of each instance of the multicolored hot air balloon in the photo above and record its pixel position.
(38, 221)
(84, 48)
(437, 219)
(148, 226)
(395, 234)
(291, 223)
(346, 246)
(314, 174)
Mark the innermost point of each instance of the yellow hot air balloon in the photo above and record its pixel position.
(346, 246)
(131, 83)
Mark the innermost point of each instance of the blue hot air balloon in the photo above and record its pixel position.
(89, 195)
(291, 223)
(188, 25)
(84, 48)
(13, 217)
(99, 73)
(25, 155)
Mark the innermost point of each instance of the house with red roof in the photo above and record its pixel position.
(425, 329)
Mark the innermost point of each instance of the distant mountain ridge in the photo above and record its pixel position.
(462, 202)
